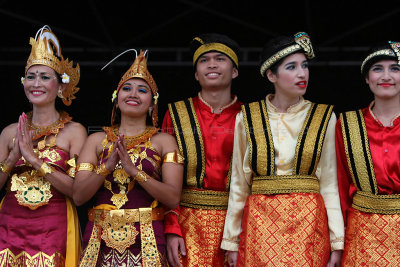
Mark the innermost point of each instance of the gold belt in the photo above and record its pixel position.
(284, 184)
(382, 204)
(117, 228)
(204, 199)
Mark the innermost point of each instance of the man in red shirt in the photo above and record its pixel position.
(204, 128)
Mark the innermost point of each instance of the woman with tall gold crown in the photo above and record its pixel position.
(131, 169)
(38, 221)
(368, 163)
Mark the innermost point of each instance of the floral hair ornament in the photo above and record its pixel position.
(138, 70)
(302, 42)
(46, 51)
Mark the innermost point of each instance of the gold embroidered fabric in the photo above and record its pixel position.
(190, 142)
(117, 228)
(204, 199)
(285, 129)
(23, 259)
(130, 141)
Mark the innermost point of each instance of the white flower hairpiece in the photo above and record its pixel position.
(156, 98)
(114, 96)
(65, 78)
(22, 80)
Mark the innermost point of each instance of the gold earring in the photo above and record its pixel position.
(59, 93)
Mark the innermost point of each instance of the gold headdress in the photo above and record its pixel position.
(46, 51)
(138, 70)
(301, 42)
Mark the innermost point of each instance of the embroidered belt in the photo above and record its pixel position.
(117, 228)
(204, 199)
(381, 204)
(284, 184)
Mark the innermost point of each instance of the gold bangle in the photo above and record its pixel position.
(102, 170)
(85, 167)
(45, 169)
(174, 157)
(4, 167)
(141, 176)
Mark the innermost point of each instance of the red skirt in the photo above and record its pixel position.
(284, 230)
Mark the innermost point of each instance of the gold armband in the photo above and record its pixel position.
(102, 170)
(45, 169)
(141, 176)
(4, 167)
(85, 167)
(174, 157)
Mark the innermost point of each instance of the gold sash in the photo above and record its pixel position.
(307, 154)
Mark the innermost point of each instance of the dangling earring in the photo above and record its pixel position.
(59, 94)
(150, 111)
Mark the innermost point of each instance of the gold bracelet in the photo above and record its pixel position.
(86, 166)
(45, 169)
(4, 167)
(174, 157)
(102, 170)
(141, 176)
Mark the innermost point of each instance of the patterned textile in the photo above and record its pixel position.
(149, 161)
(40, 236)
(202, 231)
(284, 230)
(371, 239)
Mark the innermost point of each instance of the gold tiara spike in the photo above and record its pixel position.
(304, 41)
(46, 50)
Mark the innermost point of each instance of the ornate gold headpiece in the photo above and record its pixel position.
(393, 52)
(302, 42)
(204, 48)
(46, 51)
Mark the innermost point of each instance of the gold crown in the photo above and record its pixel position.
(139, 70)
(46, 51)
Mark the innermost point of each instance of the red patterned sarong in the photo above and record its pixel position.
(202, 231)
(284, 230)
(371, 239)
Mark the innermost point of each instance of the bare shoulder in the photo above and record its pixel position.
(96, 137)
(9, 131)
(164, 142)
(75, 127)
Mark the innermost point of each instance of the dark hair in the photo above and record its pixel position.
(374, 48)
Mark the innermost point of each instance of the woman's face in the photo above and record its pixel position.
(384, 79)
(291, 77)
(135, 97)
(41, 85)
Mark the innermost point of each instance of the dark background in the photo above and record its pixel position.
(92, 32)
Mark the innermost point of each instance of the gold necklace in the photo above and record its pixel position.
(54, 128)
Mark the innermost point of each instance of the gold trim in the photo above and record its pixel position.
(5, 168)
(204, 199)
(278, 56)
(187, 128)
(356, 143)
(383, 52)
(284, 184)
(215, 47)
(102, 170)
(381, 204)
(40, 259)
